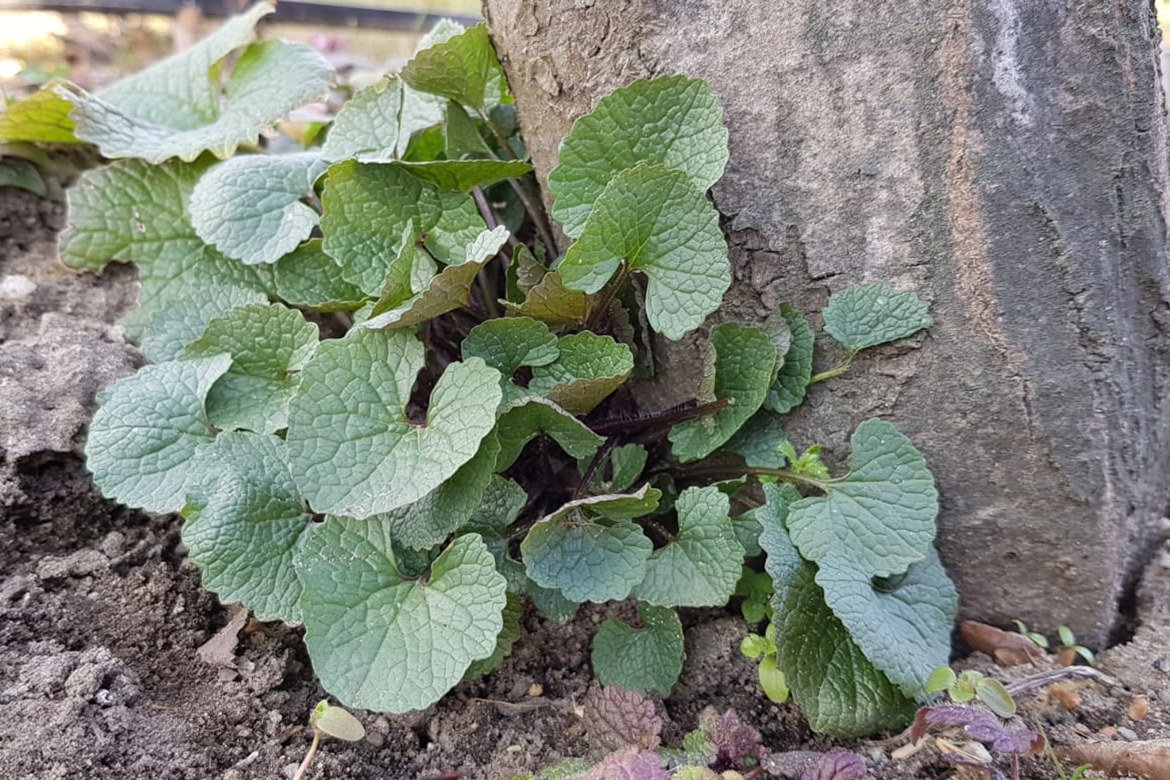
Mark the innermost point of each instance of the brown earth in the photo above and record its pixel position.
(101, 616)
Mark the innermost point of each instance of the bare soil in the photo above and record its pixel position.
(101, 616)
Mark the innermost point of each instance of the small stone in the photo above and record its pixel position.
(114, 544)
(15, 587)
(513, 749)
(105, 698)
(226, 675)
(1127, 733)
(180, 606)
(290, 770)
(1082, 729)
(1139, 707)
(474, 727)
(381, 724)
(17, 287)
(79, 564)
(536, 689)
(1162, 664)
(1109, 731)
(375, 739)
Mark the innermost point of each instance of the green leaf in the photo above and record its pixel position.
(701, 566)
(309, 277)
(337, 722)
(171, 329)
(554, 304)
(461, 134)
(368, 206)
(431, 519)
(588, 549)
(940, 679)
(758, 442)
(744, 362)
(787, 391)
(525, 419)
(513, 611)
(459, 69)
(881, 515)
(352, 448)
(674, 122)
(552, 604)
(368, 127)
(629, 461)
(587, 369)
(268, 81)
(146, 429)
(869, 314)
(22, 174)
(250, 208)
(840, 692)
(903, 625)
(772, 680)
(269, 345)
(462, 175)
(510, 343)
(133, 212)
(42, 117)
(1067, 638)
(448, 290)
(244, 523)
(655, 221)
(640, 659)
(996, 697)
(524, 273)
(382, 642)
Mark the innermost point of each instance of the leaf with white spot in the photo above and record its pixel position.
(700, 567)
(866, 315)
(655, 221)
(250, 208)
(146, 430)
(353, 450)
(385, 642)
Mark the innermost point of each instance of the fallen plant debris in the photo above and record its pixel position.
(1149, 760)
(1006, 647)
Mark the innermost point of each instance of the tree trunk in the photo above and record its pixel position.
(1008, 161)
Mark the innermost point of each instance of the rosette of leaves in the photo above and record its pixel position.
(392, 410)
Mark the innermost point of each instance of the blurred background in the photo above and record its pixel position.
(96, 43)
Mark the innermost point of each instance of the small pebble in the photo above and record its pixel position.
(536, 689)
(1109, 731)
(1127, 734)
(17, 287)
(114, 544)
(381, 725)
(290, 770)
(513, 748)
(375, 739)
(1139, 708)
(1082, 729)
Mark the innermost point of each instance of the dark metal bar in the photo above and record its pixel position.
(296, 11)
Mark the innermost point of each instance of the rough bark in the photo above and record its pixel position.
(1008, 161)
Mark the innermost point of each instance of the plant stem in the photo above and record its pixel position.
(601, 308)
(659, 419)
(304, 767)
(594, 464)
(534, 208)
(719, 473)
(485, 209)
(836, 370)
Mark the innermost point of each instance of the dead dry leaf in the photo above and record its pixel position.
(1148, 760)
(1067, 693)
(220, 650)
(1007, 648)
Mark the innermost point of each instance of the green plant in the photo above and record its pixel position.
(390, 411)
(1035, 636)
(972, 684)
(1070, 648)
(334, 721)
(764, 648)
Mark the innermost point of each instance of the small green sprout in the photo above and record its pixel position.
(333, 720)
(970, 685)
(756, 589)
(772, 680)
(1069, 642)
(808, 463)
(1035, 636)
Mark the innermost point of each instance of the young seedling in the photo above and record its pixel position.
(969, 685)
(1035, 636)
(1069, 649)
(764, 648)
(333, 720)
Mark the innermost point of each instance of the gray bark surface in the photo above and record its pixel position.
(1007, 160)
